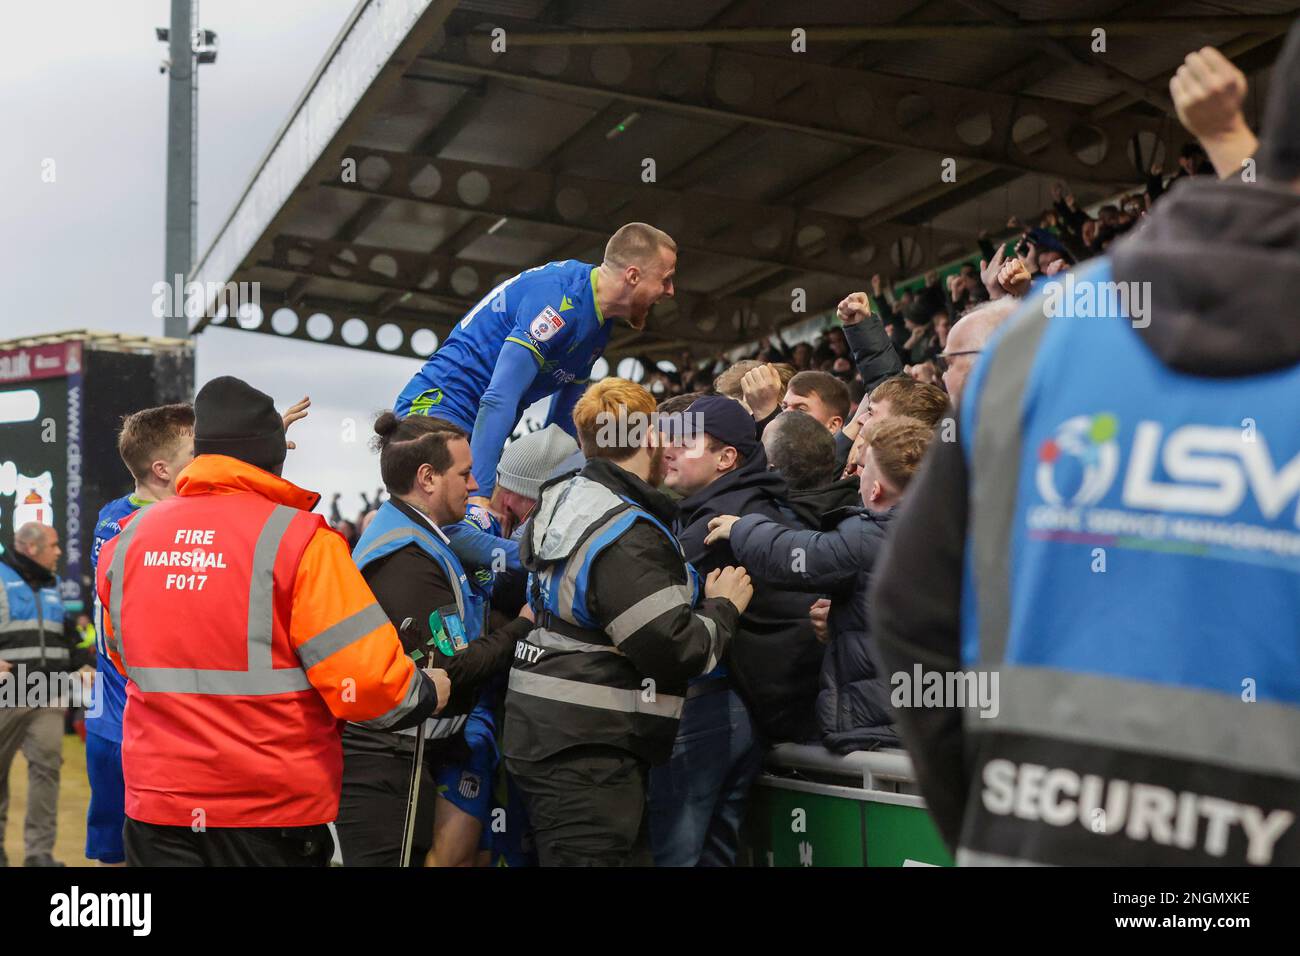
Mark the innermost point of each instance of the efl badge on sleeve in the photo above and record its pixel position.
(479, 517)
(545, 325)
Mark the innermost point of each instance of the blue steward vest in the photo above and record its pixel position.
(1132, 578)
(389, 531)
(546, 596)
(31, 623)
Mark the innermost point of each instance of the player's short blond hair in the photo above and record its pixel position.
(612, 418)
(636, 244)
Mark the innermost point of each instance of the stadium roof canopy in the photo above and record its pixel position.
(442, 146)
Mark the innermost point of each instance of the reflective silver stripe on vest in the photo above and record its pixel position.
(967, 857)
(260, 679)
(341, 635)
(384, 539)
(573, 565)
(33, 653)
(594, 695)
(646, 610)
(188, 680)
(261, 588)
(712, 627)
(13, 627)
(552, 641)
(409, 701)
(995, 471)
(1177, 722)
(115, 579)
(453, 578)
(437, 728)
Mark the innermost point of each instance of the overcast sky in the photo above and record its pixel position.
(79, 84)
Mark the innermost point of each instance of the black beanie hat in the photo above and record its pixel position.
(1279, 153)
(233, 418)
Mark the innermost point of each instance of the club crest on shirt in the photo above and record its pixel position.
(545, 325)
(469, 785)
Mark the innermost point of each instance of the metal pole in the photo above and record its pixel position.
(413, 796)
(408, 632)
(194, 145)
(178, 255)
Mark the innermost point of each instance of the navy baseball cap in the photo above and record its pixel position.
(1047, 242)
(722, 418)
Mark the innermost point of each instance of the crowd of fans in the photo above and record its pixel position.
(353, 528)
(920, 313)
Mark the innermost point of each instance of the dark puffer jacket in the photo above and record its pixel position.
(853, 705)
(813, 504)
(774, 659)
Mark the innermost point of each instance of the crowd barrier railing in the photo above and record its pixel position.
(811, 807)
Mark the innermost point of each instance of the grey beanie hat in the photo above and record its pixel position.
(528, 462)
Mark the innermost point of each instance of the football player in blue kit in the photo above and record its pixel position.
(535, 335)
(155, 444)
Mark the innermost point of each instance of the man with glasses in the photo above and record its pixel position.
(966, 341)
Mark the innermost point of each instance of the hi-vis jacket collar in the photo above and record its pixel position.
(223, 475)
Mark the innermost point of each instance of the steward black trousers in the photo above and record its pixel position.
(372, 809)
(148, 844)
(587, 806)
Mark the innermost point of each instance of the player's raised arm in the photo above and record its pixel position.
(561, 411)
(539, 332)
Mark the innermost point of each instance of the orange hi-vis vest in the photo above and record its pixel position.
(247, 636)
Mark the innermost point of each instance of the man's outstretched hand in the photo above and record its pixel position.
(989, 272)
(297, 411)
(720, 528)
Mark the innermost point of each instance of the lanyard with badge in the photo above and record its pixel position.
(447, 632)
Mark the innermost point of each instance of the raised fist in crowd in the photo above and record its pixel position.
(1014, 277)
(1208, 92)
(761, 389)
(854, 307)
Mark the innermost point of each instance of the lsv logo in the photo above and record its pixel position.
(1211, 470)
(1208, 469)
(1084, 444)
